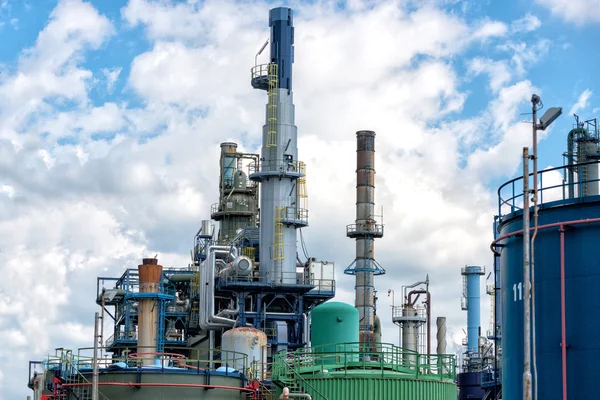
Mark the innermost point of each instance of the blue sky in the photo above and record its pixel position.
(111, 115)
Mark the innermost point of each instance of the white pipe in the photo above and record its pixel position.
(527, 392)
(208, 320)
(95, 360)
(286, 394)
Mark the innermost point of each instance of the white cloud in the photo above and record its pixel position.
(528, 23)
(582, 102)
(498, 71)
(490, 29)
(111, 75)
(525, 54)
(576, 11)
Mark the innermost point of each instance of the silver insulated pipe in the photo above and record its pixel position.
(441, 335)
(365, 230)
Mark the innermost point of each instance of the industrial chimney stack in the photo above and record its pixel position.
(150, 274)
(365, 230)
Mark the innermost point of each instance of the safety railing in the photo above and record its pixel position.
(233, 207)
(349, 357)
(282, 166)
(198, 360)
(295, 215)
(363, 229)
(260, 71)
(417, 313)
(286, 278)
(120, 337)
(552, 186)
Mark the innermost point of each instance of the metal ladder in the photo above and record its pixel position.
(278, 243)
(302, 194)
(272, 105)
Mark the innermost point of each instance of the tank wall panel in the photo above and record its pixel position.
(373, 387)
(582, 284)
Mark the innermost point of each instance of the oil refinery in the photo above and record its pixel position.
(249, 319)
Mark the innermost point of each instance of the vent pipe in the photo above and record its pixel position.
(150, 274)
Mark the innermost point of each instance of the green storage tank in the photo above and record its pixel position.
(331, 323)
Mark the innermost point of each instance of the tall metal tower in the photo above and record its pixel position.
(279, 170)
(365, 230)
(471, 303)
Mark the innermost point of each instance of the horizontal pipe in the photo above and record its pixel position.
(154, 384)
(547, 226)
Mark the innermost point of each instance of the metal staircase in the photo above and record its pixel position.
(70, 383)
(287, 376)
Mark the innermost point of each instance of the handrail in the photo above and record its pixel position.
(516, 192)
(379, 356)
(133, 358)
(290, 368)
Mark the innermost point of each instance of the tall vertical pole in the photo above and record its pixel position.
(534, 102)
(95, 360)
(365, 231)
(526, 281)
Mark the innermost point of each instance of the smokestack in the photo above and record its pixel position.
(441, 335)
(150, 274)
(365, 230)
(471, 292)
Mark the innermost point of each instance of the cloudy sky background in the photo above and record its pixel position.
(111, 115)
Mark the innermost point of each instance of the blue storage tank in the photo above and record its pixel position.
(582, 308)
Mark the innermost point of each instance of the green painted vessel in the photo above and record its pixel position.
(331, 323)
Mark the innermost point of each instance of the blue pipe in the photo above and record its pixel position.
(281, 21)
(473, 307)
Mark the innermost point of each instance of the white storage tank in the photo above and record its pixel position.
(249, 341)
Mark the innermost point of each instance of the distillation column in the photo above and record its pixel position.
(237, 207)
(279, 171)
(365, 230)
(150, 274)
(472, 295)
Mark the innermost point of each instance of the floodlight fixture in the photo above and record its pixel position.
(549, 116)
(260, 51)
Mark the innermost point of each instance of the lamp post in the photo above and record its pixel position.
(528, 265)
(391, 293)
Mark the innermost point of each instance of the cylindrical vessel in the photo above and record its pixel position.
(581, 283)
(249, 341)
(228, 163)
(588, 151)
(410, 330)
(332, 323)
(207, 228)
(441, 335)
(150, 274)
(473, 274)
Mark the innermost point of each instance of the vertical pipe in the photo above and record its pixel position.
(441, 335)
(563, 314)
(526, 299)
(474, 307)
(95, 360)
(102, 325)
(150, 274)
(441, 343)
(535, 230)
(365, 221)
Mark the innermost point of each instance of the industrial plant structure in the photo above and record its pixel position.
(249, 319)
(236, 322)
